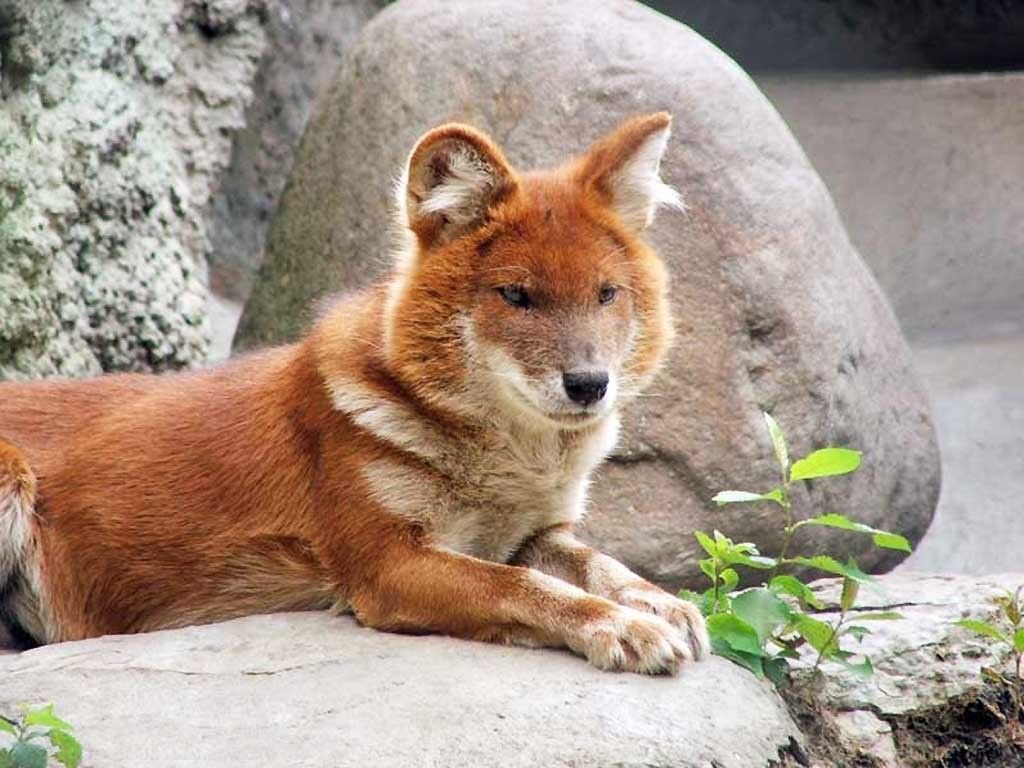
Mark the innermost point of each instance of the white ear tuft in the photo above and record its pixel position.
(636, 186)
(461, 187)
(454, 175)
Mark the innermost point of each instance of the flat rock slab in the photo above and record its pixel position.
(315, 690)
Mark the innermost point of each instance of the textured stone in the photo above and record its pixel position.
(115, 121)
(775, 309)
(305, 43)
(309, 690)
(926, 703)
(923, 660)
(928, 175)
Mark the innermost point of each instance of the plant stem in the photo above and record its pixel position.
(831, 639)
(714, 565)
(787, 531)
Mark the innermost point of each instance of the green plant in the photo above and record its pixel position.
(763, 627)
(1011, 634)
(38, 725)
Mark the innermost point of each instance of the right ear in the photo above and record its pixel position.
(455, 174)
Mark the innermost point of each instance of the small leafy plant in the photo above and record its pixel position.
(764, 627)
(1010, 634)
(26, 739)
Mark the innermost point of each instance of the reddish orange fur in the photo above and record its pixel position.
(187, 498)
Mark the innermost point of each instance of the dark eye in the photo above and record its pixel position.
(607, 294)
(515, 295)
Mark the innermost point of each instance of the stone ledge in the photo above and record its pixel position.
(315, 690)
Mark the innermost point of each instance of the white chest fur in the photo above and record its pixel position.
(485, 497)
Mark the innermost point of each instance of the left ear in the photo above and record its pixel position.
(623, 168)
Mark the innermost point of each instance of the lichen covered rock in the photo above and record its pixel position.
(115, 122)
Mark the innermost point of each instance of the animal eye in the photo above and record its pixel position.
(515, 295)
(607, 294)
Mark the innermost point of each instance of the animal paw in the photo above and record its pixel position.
(682, 615)
(631, 641)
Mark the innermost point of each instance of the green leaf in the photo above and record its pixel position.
(708, 568)
(1011, 609)
(790, 585)
(982, 628)
(1018, 641)
(862, 670)
(826, 462)
(28, 756)
(750, 661)
(879, 616)
(69, 751)
(778, 442)
(44, 718)
(830, 565)
(856, 631)
(6, 761)
(849, 594)
(883, 539)
(738, 497)
(734, 632)
(702, 601)
(729, 579)
(6, 726)
(751, 561)
(761, 609)
(775, 669)
(817, 633)
(886, 540)
(707, 543)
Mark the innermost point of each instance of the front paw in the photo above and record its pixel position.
(631, 641)
(683, 615)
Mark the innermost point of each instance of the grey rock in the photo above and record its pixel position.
(775, 309)
(115, 122)
(926, 703)
(923, 660)
(977, 394)
(314, 690)
(928, 175)
(305, 43)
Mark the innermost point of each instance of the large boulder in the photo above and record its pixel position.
(312, 690)
(115, 120)
(775, 309)
(305, 42)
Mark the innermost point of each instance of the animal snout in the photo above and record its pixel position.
(585, 387)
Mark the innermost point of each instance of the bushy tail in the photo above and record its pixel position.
(17, 502)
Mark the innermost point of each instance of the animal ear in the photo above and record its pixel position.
(623, 168)
(455, 174)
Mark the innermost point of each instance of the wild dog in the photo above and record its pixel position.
(418, 459)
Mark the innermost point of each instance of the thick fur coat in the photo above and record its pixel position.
(418, 459)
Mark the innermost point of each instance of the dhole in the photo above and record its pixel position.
(418, 459)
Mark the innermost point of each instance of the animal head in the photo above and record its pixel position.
(532, 293)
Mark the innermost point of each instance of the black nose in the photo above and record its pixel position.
(585, 387)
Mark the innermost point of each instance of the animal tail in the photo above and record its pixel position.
(17, 505)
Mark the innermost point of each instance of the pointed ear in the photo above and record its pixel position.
(455, 174)
(623, 168)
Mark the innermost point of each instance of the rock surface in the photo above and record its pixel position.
(775, 309)
(305, 43)
(309, 690)
(928, 175)
(926, 703)
(115, 122)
